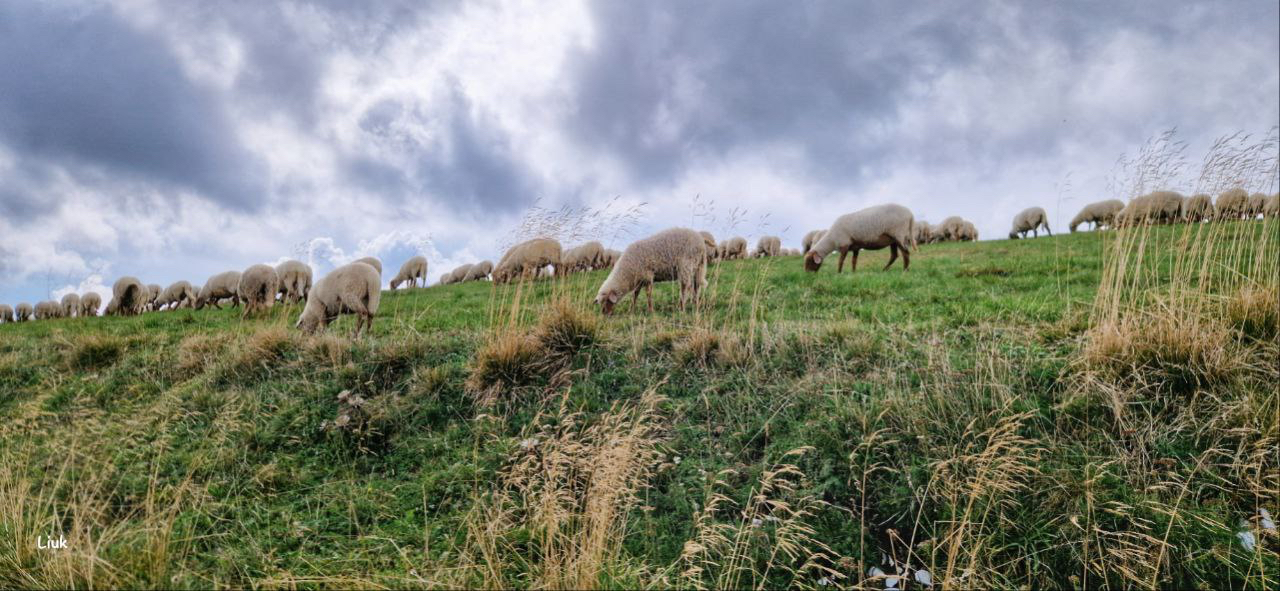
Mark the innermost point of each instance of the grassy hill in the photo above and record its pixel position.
(972, 417)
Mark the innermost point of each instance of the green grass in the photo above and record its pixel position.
(194, 449)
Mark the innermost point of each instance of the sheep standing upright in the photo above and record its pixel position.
(258, 287)
(70, 305)
(47, 310)
(1099, 213)
(872, 228)
(734, 248)
(1271, 209)
(1232, 203)
(709, 240)
(768, 246)
(90, 303)
(479, 271)
(372, 262)
(6, 313)
(524, 260)
(23, 312)
(354, 288)
(1197, 208)
(153, 294)
(129, 297)
(675, 254)
(225, 285)
(1257, 203)
(411, 271)
(1031, 220)
(295, 281)
(179, 294)
(583, 257)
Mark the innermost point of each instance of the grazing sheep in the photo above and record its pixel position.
(70, 305)
(610, 258)
(128, 297)
(479, 271)
(23, 312)
(459, 273)
(709, 240)
(1100, 213)
(258, 287)
(411, 271)
(225, 285)
(1232, 204)
(810, 238)
(6, 313)
(1271, 208)
(675, 254)
(525, 259)
(90, 303)
(872, 228)
(47, 310)
(734, 248)
(951, 228)
(445, 279)
(372, 262)
(1157, 207)
(179, 294)
(924, 232)
(295, 281)
(153, 294)
(1257, 203)
(1197, 208)
(1030, 220)
(768, 246)
(354, 288)
(583, 257)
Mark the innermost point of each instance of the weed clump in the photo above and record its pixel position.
(563, 330)
(699, 348)
(260, 352)
(199, 351)
(506, 361)
(1255, 312)
(1166, 352)
(93, 351)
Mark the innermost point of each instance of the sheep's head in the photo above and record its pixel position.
(395, 284)
(1013, 235)
(812, 261)
(309, 322)
(607, 300)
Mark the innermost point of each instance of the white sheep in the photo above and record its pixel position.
(1031, 220)
(258, 287)
(1197, 208)
(70, 305)
(676, 254)
(153, 294)
(128, 297)
(6, 313)
(411, 272)
(1232, 204)
(734, 248)
(224, 285)
(950, 229)
(372, 262)
(1257, 203)
(872, 228)
(709, 240)
(47, 310)
(768, 246)
(179, 294)
(354, 288)
(23, 312)
(295, 281)
(459, 273)
(584, 257)
(90, 303)
(924, 232)
(610, 258)
(525, 259)
(810, 237)
(1271, 208)
(479, 271)
(446, 279)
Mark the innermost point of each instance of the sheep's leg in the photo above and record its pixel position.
(648, 291)
(635, 295)
(853, 261)
(844, 251)
(906, 260)
(893, 256)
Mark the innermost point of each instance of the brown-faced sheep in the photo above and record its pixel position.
(810, 238)
(295, 281)
(90, 303)
(524, 260)
(479, 271)
(372, 262)
(221, 286)
(410, 272)
(70, 305)
(1031, 220)
(128, 297)
(354, 288)
(675, 254)
(1197, 208)
(872, 228)
(179, 294)
(583, 257)
(768, 246)
(23, 312)
(6, 313)
(1271, 208)
(1099, 213)
(1232, 203)
(258, 287)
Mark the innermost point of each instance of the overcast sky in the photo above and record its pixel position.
(172, 139)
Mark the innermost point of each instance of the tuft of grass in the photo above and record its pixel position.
(94, 351)
(507, 361)
(564, 330)
(1255, 312)
(698, 348)
(1165, 351)
(259, 353)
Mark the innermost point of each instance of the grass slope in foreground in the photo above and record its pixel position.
(794, 431)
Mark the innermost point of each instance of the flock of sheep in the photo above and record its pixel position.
(677, 254)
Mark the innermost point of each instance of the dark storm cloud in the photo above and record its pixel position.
(82, 88)
(669, 86)
(469, 162)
